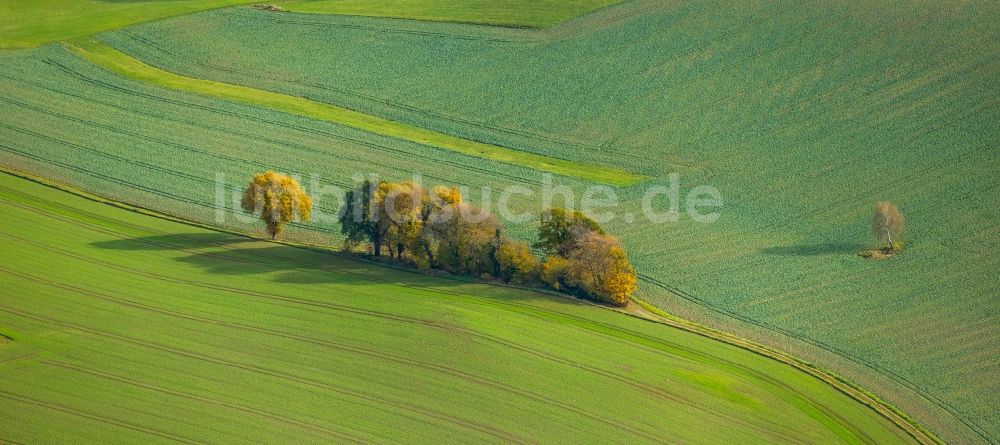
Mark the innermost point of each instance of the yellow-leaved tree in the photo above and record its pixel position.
(278, 198)
(516, 262)
(887, 225)
(599, 267)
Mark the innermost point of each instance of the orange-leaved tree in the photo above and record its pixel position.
(278, 198)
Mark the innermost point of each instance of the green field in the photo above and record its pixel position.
(124, 327)
(802, 115)
(114, 60)
(519, 13)
(26, 23)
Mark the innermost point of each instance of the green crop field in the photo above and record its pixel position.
(124, 327)
(34, 22)
(116, 61)
(802, 115)
(519, 13)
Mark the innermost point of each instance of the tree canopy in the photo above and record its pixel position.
(436, 229)
(278, 198)
(560, 229)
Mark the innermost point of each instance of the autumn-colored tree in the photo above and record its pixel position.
(561, 228)
(553, 271)
(599, 267)
(278, 198)
(357, 216)
(516, 262)
(447, 195)
(399, 206)
(466, 238)
(887, 225)
(424, 241)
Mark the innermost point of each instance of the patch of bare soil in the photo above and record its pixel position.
(878, 254)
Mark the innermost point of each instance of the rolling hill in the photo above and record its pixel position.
(120, 326)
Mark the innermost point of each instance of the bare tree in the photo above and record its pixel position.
(888, 224)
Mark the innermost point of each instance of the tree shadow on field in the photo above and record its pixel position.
(296, 264)
(835, 248)
(172, 242)
(231, 255)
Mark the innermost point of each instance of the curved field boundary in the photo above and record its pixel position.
(512, 14)
(651, 314)
(371, 98)
(915, 429)
(617, 333)
(121, 63)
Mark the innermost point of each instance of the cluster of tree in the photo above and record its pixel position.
(581, 258)
(436, 229)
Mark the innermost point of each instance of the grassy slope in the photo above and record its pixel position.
(234, 340)
(118, 62)
(521, 13)
(802, 114)
(25, 23)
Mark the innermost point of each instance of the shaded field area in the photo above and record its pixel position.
(119, 326)
(801, 115)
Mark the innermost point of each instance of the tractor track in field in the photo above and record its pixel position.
(442, 327)
(697, 113)
(595, 20)
(197, 398)
(231, 188)
(898, 378)
(777, 224)
(330, 344)
(534, 311)
(95, 417)
(429, 114)
(382, 30)
(288, 126)
(258, 137)
(373, 399)
(303, 129)
(138, 187)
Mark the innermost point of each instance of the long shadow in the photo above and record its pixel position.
(295, 265)
(175, 241)
(836, 248)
